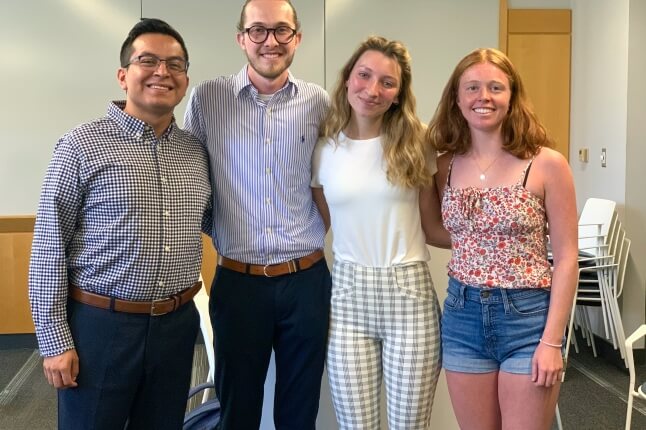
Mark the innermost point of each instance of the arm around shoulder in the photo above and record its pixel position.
(431, 217)
(319, 198)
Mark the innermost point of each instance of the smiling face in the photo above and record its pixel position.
(373, 84)
(268, 60)
(153, 93)
(483, 96)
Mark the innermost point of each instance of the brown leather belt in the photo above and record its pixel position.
(154, 308)
(271, 270)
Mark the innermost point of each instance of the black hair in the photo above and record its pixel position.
(148, 25)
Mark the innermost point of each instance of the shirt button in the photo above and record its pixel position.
(267, 141)
(268, 230)
(268, 170)
(167, 248)
(166, 213)
(160, 283)
(268, 200)
(164, 180)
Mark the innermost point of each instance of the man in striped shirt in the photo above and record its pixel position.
(117, 249)
(272, 285)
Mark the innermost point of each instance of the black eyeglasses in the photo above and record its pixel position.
(151, 62)
(258, 34)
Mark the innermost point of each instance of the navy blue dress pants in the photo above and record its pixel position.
(134, 370)
(250, 316)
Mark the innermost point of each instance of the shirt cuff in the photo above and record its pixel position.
(54, 340)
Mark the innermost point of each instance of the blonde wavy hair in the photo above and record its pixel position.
(405, 150)
(523, 134)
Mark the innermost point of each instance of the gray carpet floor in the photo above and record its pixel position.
(593, 396)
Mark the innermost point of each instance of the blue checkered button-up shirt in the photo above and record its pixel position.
(120, 214)
(260, 153)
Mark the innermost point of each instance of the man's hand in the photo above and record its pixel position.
(61, 370)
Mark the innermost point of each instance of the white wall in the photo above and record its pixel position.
(59, 61)
(599, 97)
(634, 300)
(54, 76)
(607, 111)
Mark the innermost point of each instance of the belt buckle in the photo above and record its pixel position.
(264, 271)
(153, 311)
(291, 267)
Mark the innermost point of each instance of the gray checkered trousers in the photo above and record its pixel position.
(384, 320)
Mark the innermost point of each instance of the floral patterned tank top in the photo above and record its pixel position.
(498, 235)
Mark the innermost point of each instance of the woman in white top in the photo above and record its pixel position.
(372, 179)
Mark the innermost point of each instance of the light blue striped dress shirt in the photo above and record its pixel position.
(260, 153)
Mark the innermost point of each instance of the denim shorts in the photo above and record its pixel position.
(489, 329)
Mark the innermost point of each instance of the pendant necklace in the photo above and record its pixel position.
(483, 175)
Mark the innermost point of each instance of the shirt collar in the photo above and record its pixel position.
(134, 126)
(242, 84)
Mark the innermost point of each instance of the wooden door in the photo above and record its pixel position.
(538, 42)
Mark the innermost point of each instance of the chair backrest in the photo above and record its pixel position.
(619, 251)
(623, 262)
(596, 223)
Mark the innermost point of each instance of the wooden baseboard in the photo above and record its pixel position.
(17, 223)
(611, 355)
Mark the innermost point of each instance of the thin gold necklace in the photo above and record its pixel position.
(483, 176)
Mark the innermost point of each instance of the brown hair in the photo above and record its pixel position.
(523, 134)
(240, 26)
(405, 151)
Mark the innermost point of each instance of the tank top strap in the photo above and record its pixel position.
(448, 175)
(525, 174)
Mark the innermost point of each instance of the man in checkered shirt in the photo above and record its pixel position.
(117, 249)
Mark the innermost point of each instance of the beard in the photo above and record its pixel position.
(270, 70)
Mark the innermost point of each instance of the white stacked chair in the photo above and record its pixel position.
(603, 255)
(595, 223)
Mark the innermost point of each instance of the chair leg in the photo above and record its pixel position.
(619, 328)
(580, 322)
(574, 341)
(568, 341)
(557, 414)
(588, 330)
(629, 410)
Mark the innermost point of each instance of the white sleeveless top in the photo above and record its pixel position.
(374, 223)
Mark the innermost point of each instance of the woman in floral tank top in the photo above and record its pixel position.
(507, 307)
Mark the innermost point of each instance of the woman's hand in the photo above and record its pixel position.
(547, 365)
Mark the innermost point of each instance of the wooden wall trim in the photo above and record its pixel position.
(502, 26)
(543, 21)
(17, 223)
